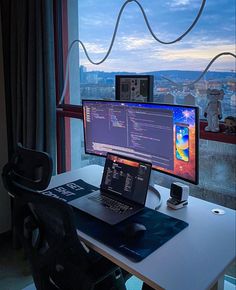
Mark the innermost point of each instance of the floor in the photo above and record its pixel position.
(15, 273)
(14, 270)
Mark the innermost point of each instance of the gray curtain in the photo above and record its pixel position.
(30, 74)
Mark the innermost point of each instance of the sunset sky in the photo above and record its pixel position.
(135, 50)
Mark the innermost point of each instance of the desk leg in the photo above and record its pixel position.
(219, 284)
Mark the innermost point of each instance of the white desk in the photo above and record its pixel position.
(195, 259)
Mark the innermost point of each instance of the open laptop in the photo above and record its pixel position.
(122, 193)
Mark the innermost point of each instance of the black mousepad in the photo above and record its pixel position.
(160, 228)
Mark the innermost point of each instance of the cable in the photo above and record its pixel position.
(181, 36)
(203, 73)
(158, 195)
(114, 36)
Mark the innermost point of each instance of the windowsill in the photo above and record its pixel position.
(220, 136)
(72, 111)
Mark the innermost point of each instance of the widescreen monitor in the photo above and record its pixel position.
(163, 134)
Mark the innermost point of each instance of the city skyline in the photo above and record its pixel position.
(136, 50)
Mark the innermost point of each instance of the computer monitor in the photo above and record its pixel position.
(165, 135)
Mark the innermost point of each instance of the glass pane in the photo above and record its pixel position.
(135, 51)
(76, 157)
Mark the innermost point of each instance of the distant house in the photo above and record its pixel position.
(189, 99)
(169, 99)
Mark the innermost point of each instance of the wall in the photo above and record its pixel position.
(5, 213)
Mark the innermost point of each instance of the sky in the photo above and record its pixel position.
(135, 50)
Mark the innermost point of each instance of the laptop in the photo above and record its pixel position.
(122, 193)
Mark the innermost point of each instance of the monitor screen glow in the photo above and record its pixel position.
(163, 134)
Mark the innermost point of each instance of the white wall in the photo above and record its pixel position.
(5, 213)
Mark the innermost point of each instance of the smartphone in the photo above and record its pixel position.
(182, 142)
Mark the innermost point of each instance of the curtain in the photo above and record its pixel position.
(29, 63)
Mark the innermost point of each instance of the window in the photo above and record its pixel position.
(136, 51)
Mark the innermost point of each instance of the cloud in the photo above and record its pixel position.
(175, 3)
(179, 4)
(121, 44)
(95, 48)
(95, 20)
(200, 51)
(140, 54)
(112, 64)
(130, 43)
(195, 58)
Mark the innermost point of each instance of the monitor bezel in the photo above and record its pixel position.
(196, 181)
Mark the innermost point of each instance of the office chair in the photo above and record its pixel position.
(46, 228)
(29, 168)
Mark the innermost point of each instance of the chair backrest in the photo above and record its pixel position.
(55, 222)
(28, 168)
(49, 237)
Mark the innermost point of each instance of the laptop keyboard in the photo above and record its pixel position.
(110, 203)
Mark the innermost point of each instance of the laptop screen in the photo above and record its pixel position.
(126, 177)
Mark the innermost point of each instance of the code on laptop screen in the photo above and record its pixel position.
(126, 177)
